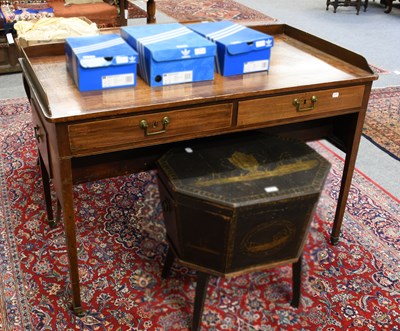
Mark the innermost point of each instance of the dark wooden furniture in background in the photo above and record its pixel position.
(314, 90)
(8, 55)
(388, 4)
(8, 51)
(346, 3)
(105, 14)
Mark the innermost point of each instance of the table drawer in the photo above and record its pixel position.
(148, 129)
(299, 105)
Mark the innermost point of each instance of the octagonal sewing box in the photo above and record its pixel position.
(239, 203)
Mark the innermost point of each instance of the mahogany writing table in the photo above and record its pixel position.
(314, 90)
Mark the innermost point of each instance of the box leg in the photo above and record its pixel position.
(296, 279)
(169, 261)
(201, 293)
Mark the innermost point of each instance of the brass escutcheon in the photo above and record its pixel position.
(145, 126)
(297, 103)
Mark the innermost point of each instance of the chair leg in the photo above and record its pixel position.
(151, 11)
(296, 279)
(389, 5)
(201, 293)
(365, 5)
(358, 6)
(335, 5)
(169, 261)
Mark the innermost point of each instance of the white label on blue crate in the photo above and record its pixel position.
(177, 77)
(253, 66)
(188, 150)
(271, 189)
(117, 80)
(260, 43)
(200, 51)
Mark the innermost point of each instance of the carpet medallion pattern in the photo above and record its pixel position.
(121, 236)
(382, 122)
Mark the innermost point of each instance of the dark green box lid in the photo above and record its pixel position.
(245, 170)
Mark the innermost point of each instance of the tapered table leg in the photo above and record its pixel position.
(67, 206)
(353, 127)
(47, 193)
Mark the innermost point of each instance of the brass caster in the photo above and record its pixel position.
(334, 240)
(295, 303)
(52, 223)
(80, 312)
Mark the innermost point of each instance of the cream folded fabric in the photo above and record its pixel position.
(54, 28)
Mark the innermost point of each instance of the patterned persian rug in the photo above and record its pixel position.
(135, 11)
(352, 286)
(191, 10)
(382, 123)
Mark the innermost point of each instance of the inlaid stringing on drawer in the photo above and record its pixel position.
(113, 133)
(298, 105)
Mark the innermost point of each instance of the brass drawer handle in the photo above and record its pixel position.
(298, 102)
(38, 136)
(145, 126)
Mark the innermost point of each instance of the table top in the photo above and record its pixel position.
(299, 61)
